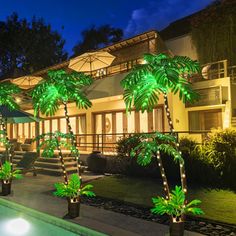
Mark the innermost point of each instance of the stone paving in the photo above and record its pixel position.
(36, 193)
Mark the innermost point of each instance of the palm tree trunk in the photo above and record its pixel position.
(62, 162)
(181, 163)
(8, 153)
(73, 140)
(163, 175)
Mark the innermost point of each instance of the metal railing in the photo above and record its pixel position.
(209, 71)
(232, 73)
(106, 143)
(213, 70)
(115, 69)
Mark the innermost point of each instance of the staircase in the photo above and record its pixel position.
(52, 166)
(49, 166)
(233, 122)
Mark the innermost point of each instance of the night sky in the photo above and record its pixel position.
(70, 17)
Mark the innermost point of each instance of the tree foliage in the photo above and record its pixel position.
(60, 87)
(7, 90)
(160, 75)
(152, 143)
(6, 172)
(175, 206)
(49, 142)
(97, 37)
(27, 46)
(213, 32)
(73, 189)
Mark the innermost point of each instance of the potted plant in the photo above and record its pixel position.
(6, 175)
(176, 208)
(72, 191)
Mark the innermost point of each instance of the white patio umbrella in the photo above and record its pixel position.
(26, 82)
(91, 61)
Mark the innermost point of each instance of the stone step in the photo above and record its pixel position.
(55, 160)
(57, 172)
(19, 152)
(17, 157)
(54, 165)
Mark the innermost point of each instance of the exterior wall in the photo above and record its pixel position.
(233, 99)
(182, 46)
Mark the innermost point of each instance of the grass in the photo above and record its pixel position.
(218, 205)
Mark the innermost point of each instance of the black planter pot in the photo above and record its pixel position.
(96, 162)
(177, 228)
(6, 188)
(73, 209)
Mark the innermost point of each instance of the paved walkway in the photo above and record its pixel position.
(36, 193)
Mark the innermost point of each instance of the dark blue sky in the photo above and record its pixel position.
(133, 16)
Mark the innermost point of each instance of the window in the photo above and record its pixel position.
(205, 120)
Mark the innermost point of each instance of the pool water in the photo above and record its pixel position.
(17, 220)
(13, 222)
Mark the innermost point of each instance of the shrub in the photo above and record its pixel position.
(96, 162)
(126, 144)
(117, 164)
(187, 145)
(219, 151)
(212, 164)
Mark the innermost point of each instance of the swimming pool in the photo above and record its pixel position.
(17, 220)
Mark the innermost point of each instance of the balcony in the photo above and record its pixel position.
(216, 70)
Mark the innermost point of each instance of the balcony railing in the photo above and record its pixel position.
(210, 71)
(232, 73)
(116, 69)
(107, 143)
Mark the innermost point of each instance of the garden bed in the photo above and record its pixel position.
(132, 196)
(203, 226)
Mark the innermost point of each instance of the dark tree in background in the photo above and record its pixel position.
(97, 37)
(214, 32)
(26, 46)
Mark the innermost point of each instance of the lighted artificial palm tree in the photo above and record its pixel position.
(7, 90)
(152, 145)
(61, 88)
(161, 74)
(52, 142)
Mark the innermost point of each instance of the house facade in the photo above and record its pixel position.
(106, 121)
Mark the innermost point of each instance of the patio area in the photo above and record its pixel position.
(36, 192)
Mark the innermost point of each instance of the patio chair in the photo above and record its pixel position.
(27, 146)
(15, 144)
(26, 164)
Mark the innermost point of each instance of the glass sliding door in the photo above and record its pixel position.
(81, 131)
(119, 129)
(54, 127)
(63, 126)
(131, 122)
(32, 129)
(158, 119)
(46, 126)
(98, 128)
(26, 130)
(143, 122)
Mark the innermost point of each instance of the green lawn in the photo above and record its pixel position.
(218, 205)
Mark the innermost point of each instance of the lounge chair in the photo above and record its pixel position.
(27, 146)
(26, 164)
(15, 144)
